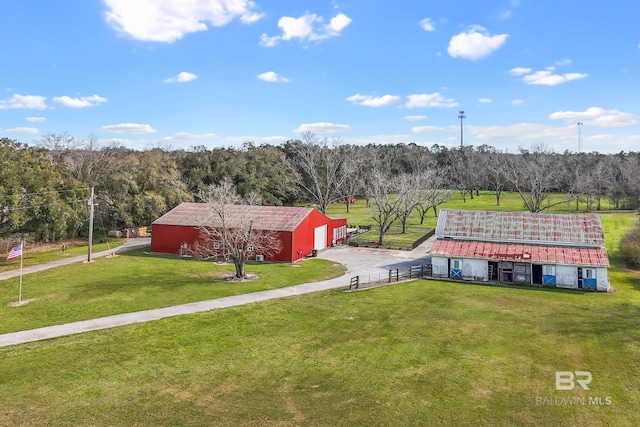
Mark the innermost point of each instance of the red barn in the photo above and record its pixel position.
(300, 230)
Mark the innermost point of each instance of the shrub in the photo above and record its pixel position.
(630, 247)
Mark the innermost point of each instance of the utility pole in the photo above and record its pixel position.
(461, 116)
(579, 137)
(91, 205)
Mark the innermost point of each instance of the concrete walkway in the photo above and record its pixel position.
(359, 261)
(130, 244)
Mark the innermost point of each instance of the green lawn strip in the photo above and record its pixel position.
(135, 281)
(419, 353)
(31, 257)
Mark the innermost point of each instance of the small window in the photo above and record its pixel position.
(456, 264)
(588, 273)
(250, 248)
(548, 270)
(216, 245)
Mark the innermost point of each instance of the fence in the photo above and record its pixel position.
(395, 275)
(368, 237)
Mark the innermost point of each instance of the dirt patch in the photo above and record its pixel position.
(248, 277)
(20, 304)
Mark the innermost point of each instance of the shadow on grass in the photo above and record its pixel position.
(520, 287)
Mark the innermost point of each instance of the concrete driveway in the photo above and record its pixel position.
(359, 261)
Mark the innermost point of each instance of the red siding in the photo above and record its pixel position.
(295, 245)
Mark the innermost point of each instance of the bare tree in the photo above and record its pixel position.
(319, 168)
(535, 175)
(230, 230)
(432, 192)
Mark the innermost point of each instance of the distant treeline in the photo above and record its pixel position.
(44, 187)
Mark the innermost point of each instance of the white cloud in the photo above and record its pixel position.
(370, 101)
(475, 43)
(427, 25)
(308, 27)
(182, 136)
(485, 100)
(596, 117)
(24, 101)
(22, 130)
(564, 61)
(547, 78)
(425, 129)
(169, 20)
(520, 71)
(517, 102)
(272, 76)
(182, 77)
(323, 127)
(430, 100)
(35, 119)
(129, 128)
(85, 101)
(415, 118)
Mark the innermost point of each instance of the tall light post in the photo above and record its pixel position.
(579, 137)
(461, 116)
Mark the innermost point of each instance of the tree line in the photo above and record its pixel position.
(44, 186)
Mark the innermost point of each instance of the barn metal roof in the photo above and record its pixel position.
(596, 257)
(521, 227)
(273, 218)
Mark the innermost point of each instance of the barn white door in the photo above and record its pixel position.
(320, 237)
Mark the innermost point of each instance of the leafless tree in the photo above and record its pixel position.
(320, 169)
(432, 192)
(230, 232)
(535, 175)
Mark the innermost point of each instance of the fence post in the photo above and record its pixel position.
(397, 274)
(389, 276)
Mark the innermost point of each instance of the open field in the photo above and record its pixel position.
(413, 354)
(134, 281)
(42, 255)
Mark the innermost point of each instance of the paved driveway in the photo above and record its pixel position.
(359, 261)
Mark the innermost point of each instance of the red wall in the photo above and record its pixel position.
(296, 245)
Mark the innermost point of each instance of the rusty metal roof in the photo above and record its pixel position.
(273, 218)
(521, 227)
(596, 257)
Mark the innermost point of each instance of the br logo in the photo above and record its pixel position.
(565, 379)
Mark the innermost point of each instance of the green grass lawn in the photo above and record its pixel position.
(32, 257)
(420, 353)
(135, 281)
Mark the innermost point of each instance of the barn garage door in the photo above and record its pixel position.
(320, 237)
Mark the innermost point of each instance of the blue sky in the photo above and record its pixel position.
(181, 73)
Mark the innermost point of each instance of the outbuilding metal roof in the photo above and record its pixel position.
(272, 218)
(521, 227)
(596, 257)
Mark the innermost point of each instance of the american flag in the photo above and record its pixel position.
(15, 252)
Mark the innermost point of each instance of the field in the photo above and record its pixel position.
(418, 353)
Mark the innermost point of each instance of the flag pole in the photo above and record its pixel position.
(21, 255)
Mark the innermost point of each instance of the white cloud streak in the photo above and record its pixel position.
(24, 101)
(475, 43)
(430, 100)
(169, 20)
(182, 77)
(323, 127)
(129, 128)
(370, 101)
(35, 119)
(83, 102)
(427, 25)
(308, 27)
(272, 77)
(596, 117)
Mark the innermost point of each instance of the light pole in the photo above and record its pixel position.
(461, 116)
(579, 137)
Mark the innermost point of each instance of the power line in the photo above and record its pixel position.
(44, 192)
(46, 204)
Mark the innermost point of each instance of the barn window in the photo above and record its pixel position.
(250, 248)
(548, 270)
(589, 273)
(456, 264)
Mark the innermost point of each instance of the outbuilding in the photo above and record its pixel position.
(521, 248)
(301, 230)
